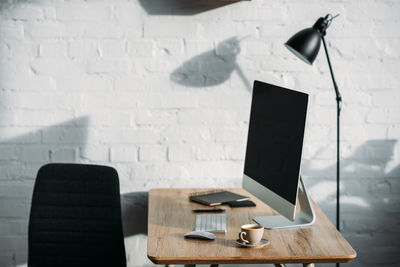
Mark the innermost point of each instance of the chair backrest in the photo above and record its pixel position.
(75, 217)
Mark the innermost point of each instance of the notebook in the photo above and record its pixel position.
(216, 198)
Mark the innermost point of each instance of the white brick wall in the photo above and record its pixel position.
(159, 92)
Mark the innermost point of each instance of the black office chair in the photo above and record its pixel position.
(75, 217)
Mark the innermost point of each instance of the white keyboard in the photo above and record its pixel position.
(211, 222)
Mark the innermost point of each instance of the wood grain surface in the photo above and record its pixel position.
(171, 216)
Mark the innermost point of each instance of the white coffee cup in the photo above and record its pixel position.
(251, 233)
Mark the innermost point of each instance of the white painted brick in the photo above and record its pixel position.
(81, 12)
(92, 84)
(383, 29)
(46, 29)
(82, 49)
(123, 154)
(132, 82)
(65, 136)
(179, 100)
(129, 136)
(200, 116)
(380, 99)
(35, 153)
(49, 13)
(23, 50)
(9, 31)
(13, 225)
(11, 242)
(185, 133)
(108, 66)
(10, 152)
(152, 153)
(213, 13)
(20, 135)
(383, 115)
(256, 48)
(11, 208)
(210, 151)
(7, 258)
(226, 100)
(110, 118)
(141, 49)
(149, 101)
(129, 14)
(155, 117)
(5, 51)
(63, 155)
(246, 11)
(160, 28)
(40, 117)
(112, 48)
(159, 64)
(53, 49)
(228, 134)
(95, 153)
(160, 82)
(180, 153)
(56, 67)
(195, 47)
(25, 13)
(170, 46)
(102, 30)
(235, 151)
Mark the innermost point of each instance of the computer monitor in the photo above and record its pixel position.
(273, 154)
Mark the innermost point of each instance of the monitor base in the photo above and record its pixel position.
(304, 217)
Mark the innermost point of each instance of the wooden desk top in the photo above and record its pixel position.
(170, 217)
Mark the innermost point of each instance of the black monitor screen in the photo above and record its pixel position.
(275, 139)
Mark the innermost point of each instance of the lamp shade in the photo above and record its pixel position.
(305, 44)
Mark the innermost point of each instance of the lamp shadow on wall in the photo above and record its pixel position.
(18, 171)
(181, 7)
(211, 68)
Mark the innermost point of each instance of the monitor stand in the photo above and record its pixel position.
(304, 217)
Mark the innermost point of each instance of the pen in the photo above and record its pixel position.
(208, 210)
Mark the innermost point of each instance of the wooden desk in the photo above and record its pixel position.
(170, 217)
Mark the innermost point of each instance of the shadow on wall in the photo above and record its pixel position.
(21, 158)
(212, 67)
(369, 199)
(181, 7)
(134, 207)
(368, 161)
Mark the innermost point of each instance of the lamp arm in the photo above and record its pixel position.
(338, 95)
(338, 108)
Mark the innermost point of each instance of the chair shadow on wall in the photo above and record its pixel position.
(181, 7)
(18, 171)
(134, 207)
(211, 68)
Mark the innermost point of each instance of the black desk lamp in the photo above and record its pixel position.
(305, 44)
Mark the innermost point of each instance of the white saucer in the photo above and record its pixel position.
(260, 244)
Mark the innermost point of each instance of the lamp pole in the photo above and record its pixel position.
(338, 109)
